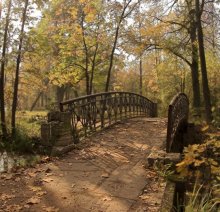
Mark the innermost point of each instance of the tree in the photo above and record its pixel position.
(2, 73)
(124, 9)
(206, 92)
(18, 61)
(181, 40)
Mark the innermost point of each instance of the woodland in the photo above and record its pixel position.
(57, 50)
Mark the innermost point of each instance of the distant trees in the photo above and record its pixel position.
(86, 46)
(185, 39)
(15, 19)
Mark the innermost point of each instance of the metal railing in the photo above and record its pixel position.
(93, 112)
(177, 119)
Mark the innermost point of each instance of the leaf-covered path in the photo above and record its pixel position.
(105, 173)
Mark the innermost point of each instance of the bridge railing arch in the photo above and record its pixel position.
(178, 112)
(92, 112)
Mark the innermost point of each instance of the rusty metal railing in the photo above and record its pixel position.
(177, 119)
(97, 111)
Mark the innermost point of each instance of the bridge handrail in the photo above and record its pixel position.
(177, 117)
(88, 113)
(99, 94)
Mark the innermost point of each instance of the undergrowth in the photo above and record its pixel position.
(201, 165)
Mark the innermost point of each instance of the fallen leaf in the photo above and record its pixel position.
(14, 208)
(8, 177)
(32, 174)
(144, 197)
(45, 159)
(47, 180)
(48, 170)
(33, 200)
(35, 188)
(4, 197)
(41, 193)
(27, 206)
(107, 198)
(50, 209)
(17, 179)
(105, 175)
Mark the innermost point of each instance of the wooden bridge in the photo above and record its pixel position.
(111, 135)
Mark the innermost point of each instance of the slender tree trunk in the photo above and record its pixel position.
(206, 91)
(36, 100)
(141, 76)
(194, 64)
(93, 68)
(60, 93)
(115, 45)
(112, 59)
(16, 83)
(86, 56)
(2, 73)
(75, 93)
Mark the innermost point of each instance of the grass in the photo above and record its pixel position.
(202, 200)
(28, 126)
(30, 122)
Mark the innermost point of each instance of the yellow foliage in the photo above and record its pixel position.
(195, 158)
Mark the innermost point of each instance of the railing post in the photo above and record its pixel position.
(169, 128)
(155, 110)
(61, 107)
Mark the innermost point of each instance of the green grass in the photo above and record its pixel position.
(28, 126)
(30, 122)
(202, 201)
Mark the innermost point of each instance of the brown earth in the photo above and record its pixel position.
(107, 172)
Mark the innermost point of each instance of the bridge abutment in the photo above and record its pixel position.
(56, 133)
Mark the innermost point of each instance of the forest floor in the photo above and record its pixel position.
(107, 172)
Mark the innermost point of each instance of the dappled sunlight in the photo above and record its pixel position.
(107, 172)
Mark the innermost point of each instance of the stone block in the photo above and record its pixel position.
(156, 156)
(53, 116)
(168, 197)
(163, 157)
(47, 133)
(64, 140)
(172, 158)
(57, 132)
(64, 117)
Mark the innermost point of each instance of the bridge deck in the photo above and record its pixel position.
(107, 172)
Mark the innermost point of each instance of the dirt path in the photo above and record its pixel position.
(106, 173)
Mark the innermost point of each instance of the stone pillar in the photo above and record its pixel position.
(56, 133)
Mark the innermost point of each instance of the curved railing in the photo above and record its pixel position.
(93, 112)
(177, 119)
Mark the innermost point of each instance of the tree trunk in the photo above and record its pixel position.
(141, 76)
(206, 92)
(2, 73)
(112, 59)
(122, 16)
(86, 56)
(36, 100)
(93, 69)
(16, 83)
(194, 64)
(60, 93)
